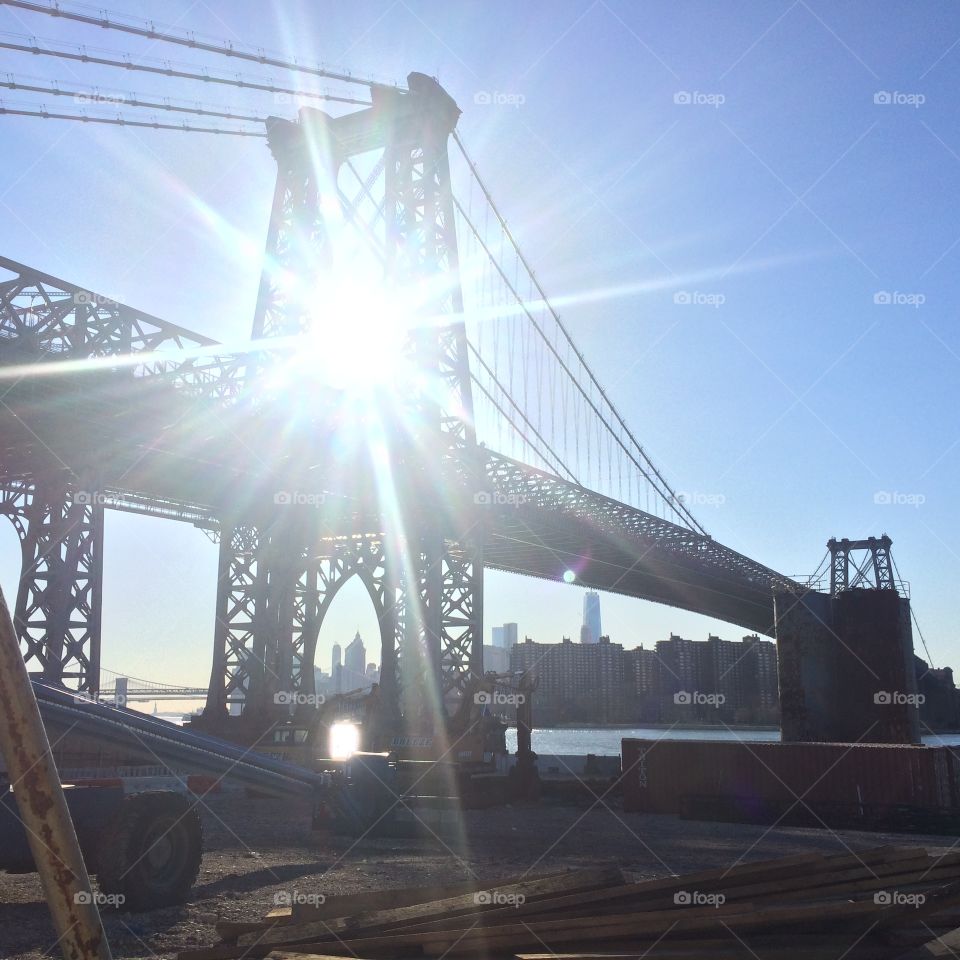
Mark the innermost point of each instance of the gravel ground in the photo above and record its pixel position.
(256, 849)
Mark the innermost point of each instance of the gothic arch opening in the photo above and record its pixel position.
(351, 614)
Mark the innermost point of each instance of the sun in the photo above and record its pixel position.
(355, 341)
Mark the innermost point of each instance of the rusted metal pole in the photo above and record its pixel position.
(43, 807)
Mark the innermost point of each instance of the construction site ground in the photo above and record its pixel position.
(261, 852)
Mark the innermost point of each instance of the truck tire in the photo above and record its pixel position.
(151, 854)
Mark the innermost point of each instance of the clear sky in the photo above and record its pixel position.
(730, 161)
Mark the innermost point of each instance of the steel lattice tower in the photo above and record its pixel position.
(421, 563)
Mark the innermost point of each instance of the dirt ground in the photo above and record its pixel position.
(256, 850)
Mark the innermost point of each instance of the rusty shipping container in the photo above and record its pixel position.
(663, 776)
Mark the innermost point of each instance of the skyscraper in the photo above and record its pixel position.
(591, 617)
(336, 661)
(355, 664)
(497, 640)
(509, 635)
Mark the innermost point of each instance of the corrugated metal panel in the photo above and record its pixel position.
(659, 774)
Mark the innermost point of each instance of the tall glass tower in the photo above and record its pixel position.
(591, 617)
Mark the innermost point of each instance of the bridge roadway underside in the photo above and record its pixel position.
(538, 542)
(143, 436)
(211, 475)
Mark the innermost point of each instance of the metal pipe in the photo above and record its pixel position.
(43, 807)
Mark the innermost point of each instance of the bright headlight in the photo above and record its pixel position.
(344, 740)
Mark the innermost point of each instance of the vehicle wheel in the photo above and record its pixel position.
(151, 854)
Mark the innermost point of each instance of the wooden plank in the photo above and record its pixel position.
(509, 938)
(640, 895)
(347, 904)
(465, 903)
(434, 922)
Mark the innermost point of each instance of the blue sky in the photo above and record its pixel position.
(731, 155)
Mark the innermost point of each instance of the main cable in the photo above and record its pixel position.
(165, 71)
(124, 122)
(223, 47)
(127, 100)
(670, 497)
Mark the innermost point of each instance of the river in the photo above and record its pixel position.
(605, 741)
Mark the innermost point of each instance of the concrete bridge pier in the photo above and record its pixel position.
(846, 667)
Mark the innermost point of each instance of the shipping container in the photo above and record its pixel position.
(794, 780)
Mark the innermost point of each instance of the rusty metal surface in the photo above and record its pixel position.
(660, 774)
(43, 809)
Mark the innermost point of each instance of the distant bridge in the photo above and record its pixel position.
(117, 688)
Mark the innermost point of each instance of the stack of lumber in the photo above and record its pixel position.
(887, 902)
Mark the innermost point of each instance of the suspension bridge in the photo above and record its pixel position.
(480, 437)
(119, 688)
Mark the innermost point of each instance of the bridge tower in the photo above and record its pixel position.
(859, 564)
(417, 548)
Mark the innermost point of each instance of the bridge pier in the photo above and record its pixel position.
(57, 612)
(845, 667)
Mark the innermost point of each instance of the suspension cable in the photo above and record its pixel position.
(672, 498)
(913, 616)
(169, 68)
(675, 503)
(490, 373)
(147, 29)
(507, 416)
(130, 99)
(124, 122)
